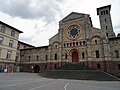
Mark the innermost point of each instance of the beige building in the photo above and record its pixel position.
(77, 41)
(8, 45)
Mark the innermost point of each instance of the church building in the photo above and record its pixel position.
(77, 41)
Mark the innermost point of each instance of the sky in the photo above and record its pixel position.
(39, 19)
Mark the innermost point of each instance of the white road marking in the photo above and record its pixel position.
(94, 86)
(42, 86)
(11, 85)
(65, 87)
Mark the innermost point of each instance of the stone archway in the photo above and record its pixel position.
(36, 69)
(75, 56)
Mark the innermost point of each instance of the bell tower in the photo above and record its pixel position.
(105, 20)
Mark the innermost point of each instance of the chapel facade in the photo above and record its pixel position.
(77, 41)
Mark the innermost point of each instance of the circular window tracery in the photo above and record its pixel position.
(73, 31)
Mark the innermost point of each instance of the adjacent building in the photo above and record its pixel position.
(8, 46)
(21, 45)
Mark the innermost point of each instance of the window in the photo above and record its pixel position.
(17, 57)
(55, 46)
(98, 66)
(117, 54)
(46, 57)
(29, 58)
(24, 46)
(8, 57)
(105, 19)
(106, 27)
(83, 55)
(76, 43)
(95, 41)
(18, 47)
(80, 43)
(65, 56)
(119, 66)
(2, 29)
(97, 54)
(83, 42)
(107, 34)
(21, 57)
(10, 43)
(13, 33)
(37, 57)
(67, 44)
(64, 44)
(106, 11)
(55, 56)
(1, 40)
(101, 13)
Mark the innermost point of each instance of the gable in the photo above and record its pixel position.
(73, 16)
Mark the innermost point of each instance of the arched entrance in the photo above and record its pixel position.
(36, 69)
(75, 56)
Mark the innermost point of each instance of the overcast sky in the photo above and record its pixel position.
(38, 19)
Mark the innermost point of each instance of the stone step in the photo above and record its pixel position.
(78, 72)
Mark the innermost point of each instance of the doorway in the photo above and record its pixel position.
(36, 69)
(75, 56)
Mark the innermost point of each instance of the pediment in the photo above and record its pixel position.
(73, 16)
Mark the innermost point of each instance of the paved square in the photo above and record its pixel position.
(31, 81)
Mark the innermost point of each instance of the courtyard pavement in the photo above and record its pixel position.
(32, 81)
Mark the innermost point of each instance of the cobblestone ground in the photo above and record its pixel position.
(31, 81)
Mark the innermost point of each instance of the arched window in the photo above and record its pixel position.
(76, 43)
(83, 55)
(65, 56)
(67, 44)
(29, 58)
(2, 29)
(55, 56)
(1, 40)
(117, 54)
(106, 11)
(95, 41)
(13, 33)
(9, 55)
(64, 45)
(11, 43)
(80, 43)
(107, 34)
(106, 27)
(55, 46)
(37, 57)
(97, 54)
(105, 19)
(46, 57)
(101, 13)
(83, 42)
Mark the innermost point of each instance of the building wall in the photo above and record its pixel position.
(9, 34)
